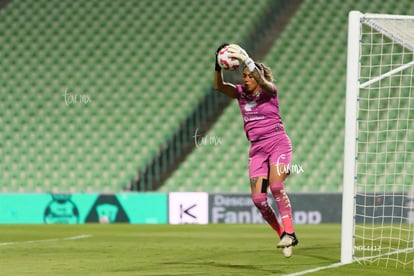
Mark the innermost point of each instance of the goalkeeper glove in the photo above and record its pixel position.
(238, 52)
(218, 68)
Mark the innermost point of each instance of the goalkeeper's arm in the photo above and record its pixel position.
(237, 52)
(220, 85)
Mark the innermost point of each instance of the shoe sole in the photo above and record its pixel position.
(283, 245)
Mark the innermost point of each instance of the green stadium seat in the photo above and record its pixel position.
(140, 76)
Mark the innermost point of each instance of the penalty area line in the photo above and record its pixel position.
(315, 269)
(48, 240)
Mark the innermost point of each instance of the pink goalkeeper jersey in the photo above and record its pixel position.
(260, 113)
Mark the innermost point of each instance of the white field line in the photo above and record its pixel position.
(407, 250)
(48, 240)
(315, 269)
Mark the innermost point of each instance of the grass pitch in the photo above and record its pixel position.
(215, 249)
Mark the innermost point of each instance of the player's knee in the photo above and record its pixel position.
(260, 200)
(277, 188)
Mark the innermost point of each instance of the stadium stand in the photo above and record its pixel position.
(90, 90)
(137, 68)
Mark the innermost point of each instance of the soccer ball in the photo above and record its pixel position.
(225, 61)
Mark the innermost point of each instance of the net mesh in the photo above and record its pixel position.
(384, 210)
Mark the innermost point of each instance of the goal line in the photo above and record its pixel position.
(335, 265)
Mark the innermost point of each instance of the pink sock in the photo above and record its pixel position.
(283, 203)
(260, 200)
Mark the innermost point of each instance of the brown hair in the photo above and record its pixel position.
(266, 72)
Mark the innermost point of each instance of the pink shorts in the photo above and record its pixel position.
(270, 151)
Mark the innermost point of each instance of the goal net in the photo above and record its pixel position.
(378, 191)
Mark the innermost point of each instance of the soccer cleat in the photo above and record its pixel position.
(287, 251)
(287, 240)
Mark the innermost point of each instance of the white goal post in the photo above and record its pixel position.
(378, 176)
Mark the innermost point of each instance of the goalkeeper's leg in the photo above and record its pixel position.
(259, 195)
(277, 176)
(283, 203)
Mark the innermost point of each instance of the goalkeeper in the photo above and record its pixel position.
(270, 152)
